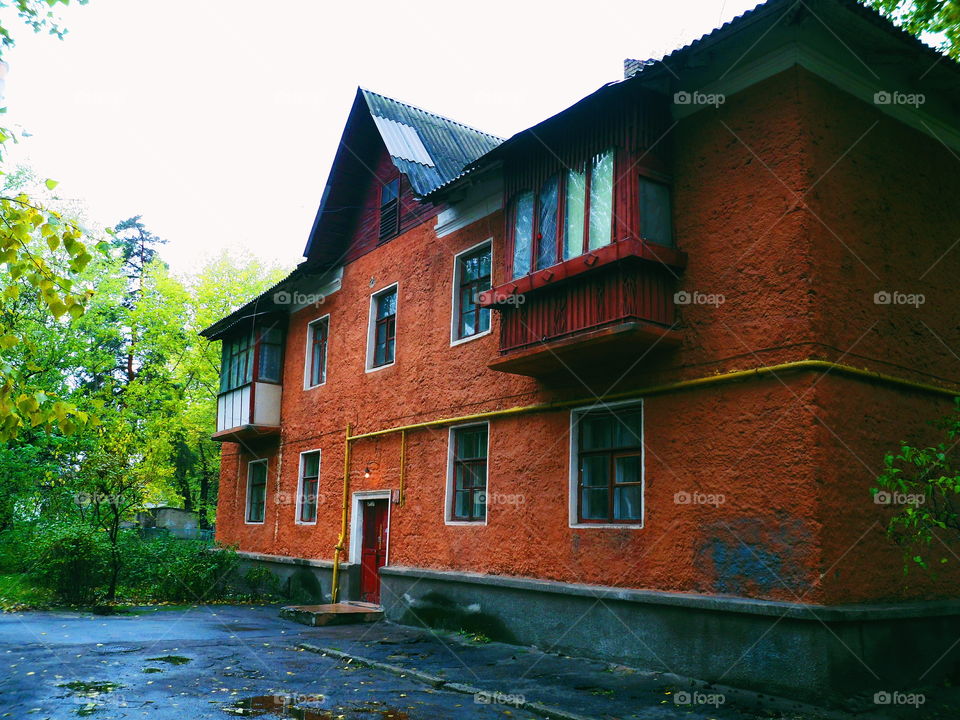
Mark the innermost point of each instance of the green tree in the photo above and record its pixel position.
(41, 252)
(923, 485)
(940, 17)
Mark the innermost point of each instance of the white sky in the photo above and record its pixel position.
(218, 120)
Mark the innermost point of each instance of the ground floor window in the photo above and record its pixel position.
(609, 465)
(256, 490)
(468, 473)
(309, 483)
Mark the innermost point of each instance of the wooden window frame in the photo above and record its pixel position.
(375, 323)
(452, 518)
(576, 468)
(312, 327)
(457, 313)
(385, 233)
(301, 488)
(266, 480)
(561, 175)
(253, 348)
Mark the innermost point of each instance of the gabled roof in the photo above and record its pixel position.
(766, 15)
(429, 149)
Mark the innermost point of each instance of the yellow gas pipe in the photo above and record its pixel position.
(338, 548)
(794, 366)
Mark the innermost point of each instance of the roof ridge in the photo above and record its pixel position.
(434, 114)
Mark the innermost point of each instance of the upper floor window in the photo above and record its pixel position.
(317, 335)
(571, 213)
(309, 484)
(609, 471)
(256, 355)
(271, 354)
(383, 328)
(256, 490)
(471, 277)
(389, 209)
(656, 224)
(468, 473)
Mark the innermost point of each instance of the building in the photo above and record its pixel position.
(620, 385)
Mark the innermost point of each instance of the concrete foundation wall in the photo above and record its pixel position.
(811, 652)
(301, 580)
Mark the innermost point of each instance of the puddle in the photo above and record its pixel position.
(90, 689)
(89, 692)
(286, 706)
(171, 659)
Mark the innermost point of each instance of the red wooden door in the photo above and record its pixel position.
(373, 552)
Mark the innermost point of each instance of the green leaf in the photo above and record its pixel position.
(51, 184)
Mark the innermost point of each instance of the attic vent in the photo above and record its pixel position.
(403, 141)
(389, 210)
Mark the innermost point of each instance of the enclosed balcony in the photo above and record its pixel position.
(248, 406)
(601, 309)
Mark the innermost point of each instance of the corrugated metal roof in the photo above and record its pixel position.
(448, 146)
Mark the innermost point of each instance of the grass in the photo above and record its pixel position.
(17, 593)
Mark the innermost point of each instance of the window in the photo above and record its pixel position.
(383, 329)
(236, 367)
(471, 277)
(468, 473)
(570, 214)
(317, 333)
(655, 212)
(309, 483)
(256, 490)
(389, 210)
(271, 355)
(609, 465)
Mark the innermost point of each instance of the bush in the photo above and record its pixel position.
(170, 570)
(71, 560)
(262, 584)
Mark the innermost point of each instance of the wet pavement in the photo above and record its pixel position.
(225, 661)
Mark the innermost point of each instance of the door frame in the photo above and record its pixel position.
(356, 522)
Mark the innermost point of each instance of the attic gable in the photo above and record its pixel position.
(428, 149)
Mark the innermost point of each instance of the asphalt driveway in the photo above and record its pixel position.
(228, 661)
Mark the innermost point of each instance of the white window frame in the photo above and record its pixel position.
(266, 487)
(296, 507)
(455, 296)
(573, 495)
(371, 328)
(449, 495)
(308, 354)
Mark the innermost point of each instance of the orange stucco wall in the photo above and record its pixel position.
(775, 449)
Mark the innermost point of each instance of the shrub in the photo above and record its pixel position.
(71, 560)
(170, 570)
(262, 584)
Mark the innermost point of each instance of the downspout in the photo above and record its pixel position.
(338, 548)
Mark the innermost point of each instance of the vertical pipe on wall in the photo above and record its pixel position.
(338, 549)
(403, 465)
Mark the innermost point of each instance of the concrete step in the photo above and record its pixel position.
(343, 613)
